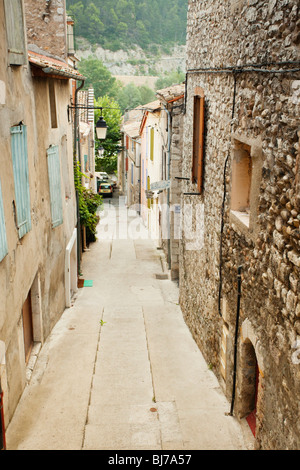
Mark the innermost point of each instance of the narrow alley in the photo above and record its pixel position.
(120, 370)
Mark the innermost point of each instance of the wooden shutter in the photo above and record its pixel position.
(15, 32)
(3, 239)
(21, 178)
(55, 186)
(198, 142)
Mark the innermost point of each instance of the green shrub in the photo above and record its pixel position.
(88, 202)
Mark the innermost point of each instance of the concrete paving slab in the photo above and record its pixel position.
(121, 371)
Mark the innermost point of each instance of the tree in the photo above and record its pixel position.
(172, 78)
(98, 76)
(112, 115)
(146, 22)
(129, 97)
(94, 26)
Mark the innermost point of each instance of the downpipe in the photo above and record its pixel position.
(77, 159)
(239, 280)
(2, 424)
(168, 189)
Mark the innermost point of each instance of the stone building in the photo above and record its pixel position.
(38, 256)
(171, 128)
(86, 145)
(131, 157)
(151, 144)
(157, 186)
(240, 256)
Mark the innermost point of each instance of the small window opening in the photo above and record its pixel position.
(52, 105)
(241, 182)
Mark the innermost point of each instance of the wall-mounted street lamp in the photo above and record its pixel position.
(101, 126)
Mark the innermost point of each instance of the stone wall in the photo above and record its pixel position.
(233, 53)
(46, 26)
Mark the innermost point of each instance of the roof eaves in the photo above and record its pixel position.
(53, 67)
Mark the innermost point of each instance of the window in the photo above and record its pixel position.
(3, 239)
(21, 178)
(55, 186)
(15, 32)
(245, 183)
(198, 140)
(241, 182)
(52, 100)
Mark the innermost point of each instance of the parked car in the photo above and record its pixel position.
(102, 175)
(105, 189)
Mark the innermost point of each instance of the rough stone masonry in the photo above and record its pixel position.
(244, 55)
(52, 14)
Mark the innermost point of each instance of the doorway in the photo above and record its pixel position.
(249, 385)
(251, 418)
(27, 326)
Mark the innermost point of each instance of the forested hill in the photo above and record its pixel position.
(122, 24)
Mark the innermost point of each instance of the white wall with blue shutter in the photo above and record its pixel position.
(3, 239)
(21, 178)
(55, 186)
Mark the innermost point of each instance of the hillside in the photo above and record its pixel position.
(125, 24)
(135, 62)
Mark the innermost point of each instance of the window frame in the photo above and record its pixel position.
(248, 224)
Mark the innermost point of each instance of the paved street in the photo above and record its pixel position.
(120, 369)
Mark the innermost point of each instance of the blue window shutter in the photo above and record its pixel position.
(21, 178)
(15, 31)
(3, 239)
(55, 186)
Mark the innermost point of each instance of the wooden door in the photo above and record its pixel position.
(27, 326)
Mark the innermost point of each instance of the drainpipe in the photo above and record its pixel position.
(76, 141)
(239, 276)
(224, 200)
(168, 189)
(2, 425)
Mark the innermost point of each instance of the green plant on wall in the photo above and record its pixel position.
(88, 203)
